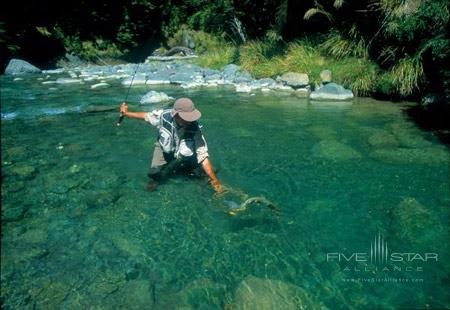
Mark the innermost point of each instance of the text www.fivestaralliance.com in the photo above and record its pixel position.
(384, 280)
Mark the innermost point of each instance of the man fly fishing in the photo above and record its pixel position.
(180, 145)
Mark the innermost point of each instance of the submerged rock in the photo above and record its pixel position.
(199, 294)
(430, 156)
(155, 97)
(106, 283)
(24, 172)
(34, 236)
(256, 293)
(323, 132)
(135, 294)
(383, 138)
(335, 151)
(411, 221)
(49, 294)
(409, 136)
(18, 66)
(14, 214)
(331, 91)
(131, 247)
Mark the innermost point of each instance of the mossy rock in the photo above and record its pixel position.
(34, 236)
(383, 139)
(334, 151)
(14, 214)
(265, 294)
(107, 283)
(64, 185)
(409, 136)
(16, 151)
(130, 246)
(24, 172)
(50, 295)
(428, 156)
(75, 148)
(198, 294)
(135, 294)
(323, 132)
(412, 221)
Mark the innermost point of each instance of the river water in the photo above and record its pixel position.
(363, 194)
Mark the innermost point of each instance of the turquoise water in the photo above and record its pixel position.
(79, 229)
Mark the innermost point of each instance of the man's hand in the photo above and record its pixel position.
(219, 188)
(207, 167)
(124, 109)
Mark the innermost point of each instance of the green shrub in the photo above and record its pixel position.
(339, 47)
(203, 41)
(89, 50)
(303, 57)
(92, 50)
(385, 84)
(261, 59)
(217, 58)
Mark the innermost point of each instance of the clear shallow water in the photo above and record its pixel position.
(80, 230)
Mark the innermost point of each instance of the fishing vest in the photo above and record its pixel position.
(168, 137)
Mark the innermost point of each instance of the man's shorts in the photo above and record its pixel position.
(161, 159)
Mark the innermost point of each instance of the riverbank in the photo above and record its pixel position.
(183, 73)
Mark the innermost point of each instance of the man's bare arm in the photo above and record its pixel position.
(124, 112)
(207, 167)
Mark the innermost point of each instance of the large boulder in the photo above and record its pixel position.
(256, 293)
(155, 97)
(331, 91)
(294, 79)
(18, 66)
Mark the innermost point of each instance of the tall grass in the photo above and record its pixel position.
(347, 61)
(407, 75)
(217, 58)
(304, 58)
(359, 74)
(340, 47)
(261, 58)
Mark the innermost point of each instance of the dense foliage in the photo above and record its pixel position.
(405, 43)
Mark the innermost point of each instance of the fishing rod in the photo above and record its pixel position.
(126, 97)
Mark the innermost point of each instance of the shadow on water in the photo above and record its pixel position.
(433, 119)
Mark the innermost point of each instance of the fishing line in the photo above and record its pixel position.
(128, 92)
